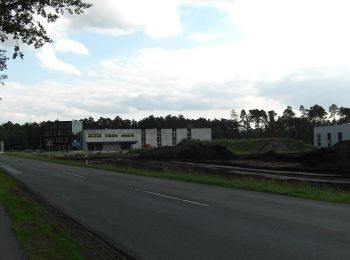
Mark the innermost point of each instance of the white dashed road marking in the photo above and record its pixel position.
(76, 175)
(170, 197)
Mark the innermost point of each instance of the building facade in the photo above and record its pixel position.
(325, 136)
(125, 139)
(61, 135)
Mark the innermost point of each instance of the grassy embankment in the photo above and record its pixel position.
(302, 190)
(42, 232)
(248, 146)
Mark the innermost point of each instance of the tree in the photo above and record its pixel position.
(344, 113)
(271, 123)
(288, 113)
(333, 112)
(303, 111)
(245, 121)
(317, 114)
(19, 22)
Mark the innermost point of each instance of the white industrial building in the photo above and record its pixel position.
(325, 136)
(125, 139)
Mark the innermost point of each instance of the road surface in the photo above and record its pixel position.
(151, 218)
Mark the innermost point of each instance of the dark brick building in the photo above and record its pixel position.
(61, 135)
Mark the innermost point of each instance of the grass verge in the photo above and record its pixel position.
(42, 231)
(302, 190)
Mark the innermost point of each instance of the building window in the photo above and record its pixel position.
(329, 139)
(319, 144)
(159, 137)
(340, 137)
(174, 137)
(189, 134)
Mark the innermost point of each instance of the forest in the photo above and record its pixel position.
(254, 123)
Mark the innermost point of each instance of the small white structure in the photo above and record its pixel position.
(2, 147)
(325, 136)
(125, 139)
(77, 126)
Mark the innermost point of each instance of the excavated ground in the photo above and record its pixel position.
(335, 159)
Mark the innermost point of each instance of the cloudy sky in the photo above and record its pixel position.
(199, 58)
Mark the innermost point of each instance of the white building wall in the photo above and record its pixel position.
(333, 130)
(203, 134)
(167, 139)
(138, 144)
(181, 134)
(136, 138)
(151, 137)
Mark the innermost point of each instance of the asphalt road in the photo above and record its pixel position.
(161, 219)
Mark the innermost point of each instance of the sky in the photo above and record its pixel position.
(198, 58)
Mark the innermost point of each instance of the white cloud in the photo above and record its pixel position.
(205, 36)
(67, 45)
(285, 43)
(157, 18)
(49, 60)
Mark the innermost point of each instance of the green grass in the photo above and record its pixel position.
(302, 190)
(254, 145)
(37, 233)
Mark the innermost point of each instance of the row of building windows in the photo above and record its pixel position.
(127, 135)
(57, 140)
(329, 139)
(111, 135)
(159, 138)
(94, 135)
(59, 147)
(57, 133)
(143, 137)
(174, 137)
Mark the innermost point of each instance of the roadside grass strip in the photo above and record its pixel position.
(42, 232)
(301, 190)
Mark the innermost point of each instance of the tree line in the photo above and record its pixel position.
(254, 123)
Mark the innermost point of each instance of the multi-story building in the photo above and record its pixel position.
(61, 135)
(125, 139)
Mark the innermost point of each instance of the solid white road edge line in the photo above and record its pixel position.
(76, 175)
(170, 197)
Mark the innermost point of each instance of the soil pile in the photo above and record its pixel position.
(189, 151)
(335, 156)
(274, 146)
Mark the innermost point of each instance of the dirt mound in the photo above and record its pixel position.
(274, 146)
(337, 155)
(189, 151)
